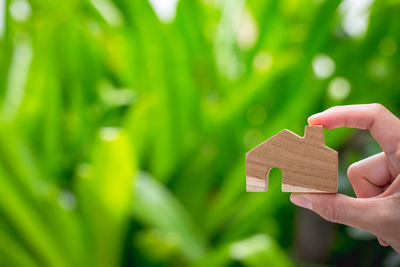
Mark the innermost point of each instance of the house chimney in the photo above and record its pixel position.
(316, 133)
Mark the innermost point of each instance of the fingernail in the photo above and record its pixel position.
(313, 117)
(301, 201)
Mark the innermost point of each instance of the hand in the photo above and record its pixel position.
(375, 180)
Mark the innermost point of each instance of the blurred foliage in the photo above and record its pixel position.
(124, 126)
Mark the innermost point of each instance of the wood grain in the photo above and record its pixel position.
(307, 164)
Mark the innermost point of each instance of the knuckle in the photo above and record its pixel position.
(329, 212)
(378, 108)
(353, 171)
(375, 113)
(334, 108)
(397, 153)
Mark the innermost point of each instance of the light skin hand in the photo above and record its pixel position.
(375, 180)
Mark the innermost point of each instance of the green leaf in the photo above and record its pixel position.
(105, 190)
(155, 206)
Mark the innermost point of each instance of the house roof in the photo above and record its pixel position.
(288, 134)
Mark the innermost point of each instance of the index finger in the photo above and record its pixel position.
(383, 125)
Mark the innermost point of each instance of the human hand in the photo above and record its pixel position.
(375, 180)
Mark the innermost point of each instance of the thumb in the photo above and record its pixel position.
(361, 213)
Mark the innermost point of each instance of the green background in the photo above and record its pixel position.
(123, 131)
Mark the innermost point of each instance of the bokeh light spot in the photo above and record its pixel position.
(109, 133)
(388, 46)
(262, 61)
(256, 115)
(355, 15)
(252, 138)
(110, 12)
(2, 17)
(67, 200)
(20, 10)
(164, 9)
(94, 28)
(378, 69)
(247, 33)
(84, 170)
(339, 88)
(251, 246)
(114, 97)
(323, 66)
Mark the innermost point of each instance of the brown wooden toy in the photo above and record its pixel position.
(307, 164)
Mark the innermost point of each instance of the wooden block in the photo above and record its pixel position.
(307, 164)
